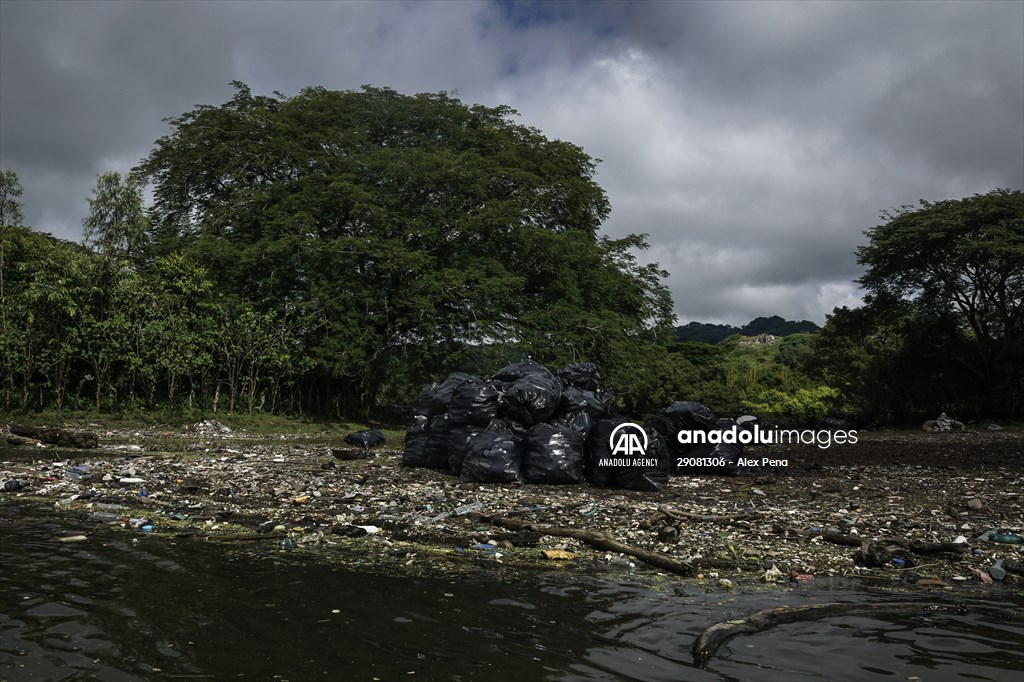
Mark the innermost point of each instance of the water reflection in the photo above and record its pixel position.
(112, 609)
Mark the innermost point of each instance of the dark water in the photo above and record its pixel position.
(111, 609)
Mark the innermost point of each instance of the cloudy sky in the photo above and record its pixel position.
(754, 142)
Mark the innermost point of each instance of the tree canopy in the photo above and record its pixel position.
(401, 227)
(943, 325)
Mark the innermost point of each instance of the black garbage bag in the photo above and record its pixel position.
(749, 421)
(437, 442)
(445, 389)
(517, 370)
(729, 453)
(581, 375)
(474, 402)
(608, 468)
(554, 454)
(580, 421)
(652, 474)
(532, 399)
(598, 452)
(582, 400)
(683, 416)
(494, 455)
(458, 443)
(421, 406)
(415, 454)
(367, 438)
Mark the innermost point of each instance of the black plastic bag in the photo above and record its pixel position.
(493, 456)
(458, 443)
(581, 375)
(415, 454)
(533, 399)
(421, 407)
(653, 475)
(580, 421)
(517, 370)
(474, 402)
(606, 468)
(445, 389)
(367, 438)
(437, 442)
(554, 454)
(683, 416)
(729, 453)
(581, 400)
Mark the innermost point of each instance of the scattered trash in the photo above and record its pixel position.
(464, 509)
(367, 438)
(943, 423)
(211, 426)
(982, 575)
(347, 454)
(772, 575)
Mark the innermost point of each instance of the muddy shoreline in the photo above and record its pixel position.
(286, 494)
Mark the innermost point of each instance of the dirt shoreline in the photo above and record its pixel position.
(904, 491)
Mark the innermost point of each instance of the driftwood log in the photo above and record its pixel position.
(53, 436)
(592, 538)
(710, 640)
(915, 546)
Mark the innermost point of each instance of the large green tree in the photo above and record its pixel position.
(396, 225)
(943, 324)
(117, 222)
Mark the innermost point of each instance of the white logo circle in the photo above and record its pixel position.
(627, 442)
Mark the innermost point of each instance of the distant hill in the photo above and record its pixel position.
(774, 325)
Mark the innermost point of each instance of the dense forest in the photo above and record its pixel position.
(774, 325)
(327, 254)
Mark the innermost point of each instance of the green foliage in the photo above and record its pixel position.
(116, 224)
(713, 333)
(10, 200)
(943, 328)
(802, 406)
(397, 225)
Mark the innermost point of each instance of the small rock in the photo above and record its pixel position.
(974, 503)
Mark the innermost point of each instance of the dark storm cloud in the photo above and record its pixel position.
(754, 142)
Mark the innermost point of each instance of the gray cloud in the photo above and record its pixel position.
(753, 142)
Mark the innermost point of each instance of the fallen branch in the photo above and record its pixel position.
(714, 637)
(729, 520)
(827, 536)
(922, 547)
(61, 437)
(592, 538)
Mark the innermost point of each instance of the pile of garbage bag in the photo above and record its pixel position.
(527, 423)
